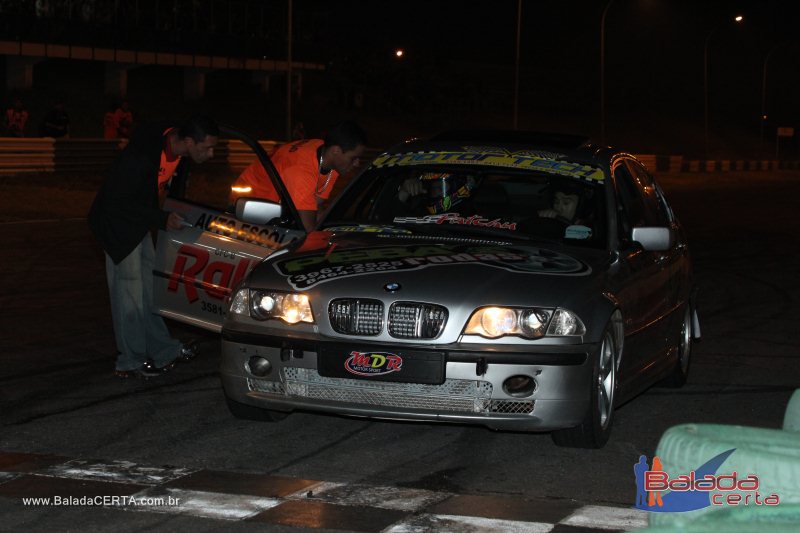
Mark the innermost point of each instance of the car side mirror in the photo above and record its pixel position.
(653, 238)
(257, 211)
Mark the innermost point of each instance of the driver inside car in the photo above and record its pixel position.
(435, 192)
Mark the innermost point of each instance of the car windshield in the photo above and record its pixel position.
(480, 201)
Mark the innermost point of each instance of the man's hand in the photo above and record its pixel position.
(176, 222)
(548, 213)
(410, 188)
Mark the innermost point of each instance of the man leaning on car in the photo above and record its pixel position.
(124, 212)
(309, 169)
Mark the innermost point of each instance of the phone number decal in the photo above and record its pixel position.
(306, 271)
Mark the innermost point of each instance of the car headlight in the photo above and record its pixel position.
(265, 304)
(531, 323)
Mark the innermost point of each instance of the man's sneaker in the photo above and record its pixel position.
(150, 370)
(188, 352)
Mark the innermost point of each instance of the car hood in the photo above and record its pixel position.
(446, 271)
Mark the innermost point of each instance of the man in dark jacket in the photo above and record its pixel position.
(124, 211)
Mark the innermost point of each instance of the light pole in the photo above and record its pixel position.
(603, 73)
(516, 64)
(289, 74)
(764, 93)
(737, 19)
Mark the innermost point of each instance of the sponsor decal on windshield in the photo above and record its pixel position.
(577, 231)
(455, 218)
(523, 161)
(373, 363)
(308, 270)
(366, 228)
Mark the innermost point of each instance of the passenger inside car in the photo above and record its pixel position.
(568, 204)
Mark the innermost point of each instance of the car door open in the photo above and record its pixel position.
(197, 267)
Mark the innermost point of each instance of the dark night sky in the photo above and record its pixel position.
(459, 65)
(654, 50)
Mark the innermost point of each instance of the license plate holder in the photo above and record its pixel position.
(381, 364)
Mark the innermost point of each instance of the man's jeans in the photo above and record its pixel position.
(138, 331)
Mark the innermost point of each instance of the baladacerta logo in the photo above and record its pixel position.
(703, 487)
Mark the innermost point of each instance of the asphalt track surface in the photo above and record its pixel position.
(60, 401)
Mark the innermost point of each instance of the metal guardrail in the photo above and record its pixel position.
(53, 155)
(45, 154)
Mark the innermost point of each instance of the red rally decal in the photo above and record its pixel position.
(193, 269)
(373, 363)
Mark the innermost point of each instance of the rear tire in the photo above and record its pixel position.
(595, 429)
(680, 373)
(243, 411)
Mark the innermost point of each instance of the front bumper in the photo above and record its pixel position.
(472, 391)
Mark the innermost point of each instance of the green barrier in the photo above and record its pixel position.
(784, 518)
(791, 421)
(771, 454)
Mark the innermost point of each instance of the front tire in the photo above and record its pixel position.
(680, 373)
(595, 429)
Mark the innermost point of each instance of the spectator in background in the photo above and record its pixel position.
(16, 118)
(109, 125)
(56, 122)
(123, 120)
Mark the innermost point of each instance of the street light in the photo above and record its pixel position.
(737, 19)
(516, 64)
(764, 93)
(603, 73)
(289, 72)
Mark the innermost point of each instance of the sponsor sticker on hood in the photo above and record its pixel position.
(306, 270)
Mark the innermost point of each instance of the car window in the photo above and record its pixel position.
(658, 213)
(210, 184)
(463, 199)
(631, 206)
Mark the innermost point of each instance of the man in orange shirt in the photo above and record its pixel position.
(309, 168)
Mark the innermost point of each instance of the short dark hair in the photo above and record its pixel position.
(347, 135)
(198, 128)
